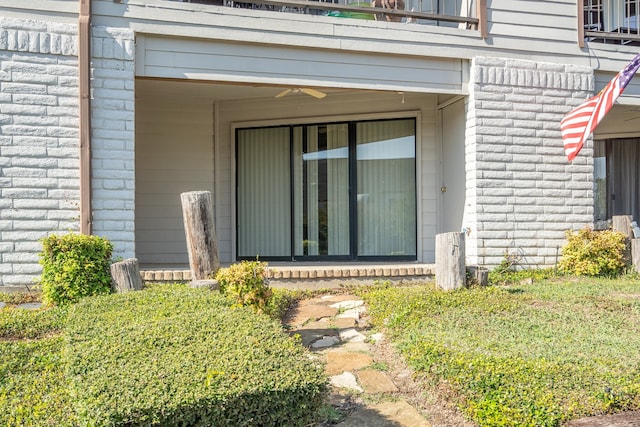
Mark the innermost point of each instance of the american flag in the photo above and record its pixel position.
(577, 125)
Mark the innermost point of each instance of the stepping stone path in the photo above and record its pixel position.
(24, 306)
(333, 328)
(29, 305)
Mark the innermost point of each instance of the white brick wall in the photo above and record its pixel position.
(112, 123)
(38, 141)
(39, 175)
(522, 193)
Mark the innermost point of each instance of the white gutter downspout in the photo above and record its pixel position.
(84, 67)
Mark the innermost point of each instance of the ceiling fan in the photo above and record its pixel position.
(305, 90)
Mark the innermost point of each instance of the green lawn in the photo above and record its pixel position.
(33, 390)
(530, 355)
(164, 356)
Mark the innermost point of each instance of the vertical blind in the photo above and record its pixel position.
(624, 177)
(263, 192)
(386, 188)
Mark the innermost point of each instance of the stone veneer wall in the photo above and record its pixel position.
(113, 137)
(522, 193)
(39, 139)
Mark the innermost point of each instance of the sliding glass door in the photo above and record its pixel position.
(386, 203)
(327, 191)
(321, 190)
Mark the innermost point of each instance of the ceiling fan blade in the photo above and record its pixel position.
(284, 93)
(313, 92)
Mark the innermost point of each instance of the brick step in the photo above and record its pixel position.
(287, 273)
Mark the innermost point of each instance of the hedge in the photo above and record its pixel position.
(175, 356)
(74, 266)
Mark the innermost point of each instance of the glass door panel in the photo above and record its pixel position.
(386, 177)
(321, 190)
(263, 193)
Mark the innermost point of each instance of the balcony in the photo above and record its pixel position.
(611, 22)
(466, 14)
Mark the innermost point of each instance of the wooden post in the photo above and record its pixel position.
(197, 212)
(622, 223)
(635, 254)
(479, 275)
(450, 268)
(125, 275)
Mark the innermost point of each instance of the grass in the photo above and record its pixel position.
(33, 390)
(526, 355)
(40, 387)
(531, 355)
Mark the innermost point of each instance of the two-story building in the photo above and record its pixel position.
(326, 131)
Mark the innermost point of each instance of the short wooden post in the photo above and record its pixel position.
(622, 223)
(125, 275)
(197, 212)
(479, 275)
(450, 268)
(635, 254)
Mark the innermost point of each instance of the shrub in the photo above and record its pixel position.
(74, 266)
(593, 253)
(175, 356)
(280, 301)
(247, 282)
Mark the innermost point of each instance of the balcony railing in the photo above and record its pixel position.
(468, 14)
(610, 21)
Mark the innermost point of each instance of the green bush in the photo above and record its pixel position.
(247, 282)
(175, 356)
(280, 301)
(74, 266)
(594, 253)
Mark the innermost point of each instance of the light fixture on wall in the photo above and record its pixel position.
(308, 91)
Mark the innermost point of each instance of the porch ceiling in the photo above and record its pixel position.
(214, 91)
(621, 122)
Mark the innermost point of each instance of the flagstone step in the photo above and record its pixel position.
(332, 328)
(625, 419)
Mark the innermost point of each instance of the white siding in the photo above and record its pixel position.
(174, 154)
(453, 163)
(206, 60)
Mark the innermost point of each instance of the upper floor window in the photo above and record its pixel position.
(612, 21)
